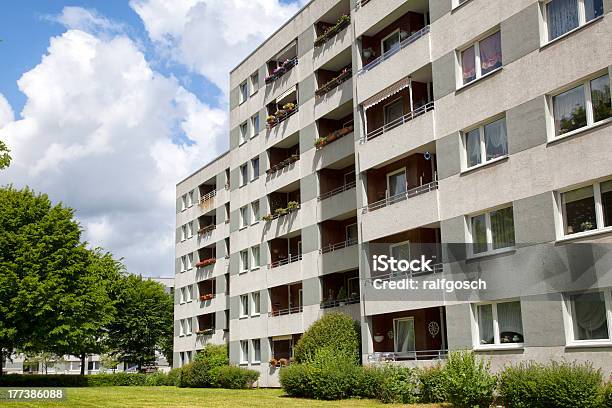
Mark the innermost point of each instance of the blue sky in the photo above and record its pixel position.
(106, 105)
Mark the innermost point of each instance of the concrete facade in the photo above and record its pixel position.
(317, 219)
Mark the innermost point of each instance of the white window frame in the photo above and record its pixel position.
(189, 297)
(581, 21)
(244, 268)
(253, 175)
(254, 360)
(254, 84)
(189, 326)
(190, 228)
(255, 129)
(244, 216)
(243, 130)
(477, 66)
(391, 34)
(253, 265)
(393, 173)
(385, 106)
(457, 3)
(244, 176)
(568, 321)
(189, 261)
(182, 295)
(600, 227)
(483, 148)
(190, 199)
(244, 306)
(590, 116)
(497, 344)
(244, 352)
(183, 232)
(182, 328)
(255, 306)
(403, 319)
(243, 90)
(183, 202)
(490, 250)
(255, 216)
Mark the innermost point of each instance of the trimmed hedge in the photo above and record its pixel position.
(558, 384)
(338, 380)
(233, 377)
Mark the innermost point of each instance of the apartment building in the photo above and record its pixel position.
(476, 132)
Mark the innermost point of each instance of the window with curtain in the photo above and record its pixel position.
(563, 16)
(468, 65)
(244, 351)
(606, 202)
(244, 259)
(394, 111)
(403, 330)
(486, 143)
(255, 166)
(472, 145)
(244, 305)
(255, 253)
(255, 297)
(396, 183)
(256, 350)
(485, 324)
(587, 208)
(600, 98)
(255, 210)
(589, 316)
(492, 231)
(481, 58)
(391, 43)
(499, 323)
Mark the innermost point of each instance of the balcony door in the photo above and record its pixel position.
(391, 43)
(396, 183)
(393, 112)
(351, 234)
(403, 335)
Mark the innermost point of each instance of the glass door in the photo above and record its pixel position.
(403, 333)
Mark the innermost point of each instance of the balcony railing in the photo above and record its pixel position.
(408, 355)
(386, 55)
(208, 196)
(284, 312)
(279, 119)
(285, 261)
(206, 332)
(206, 229)
(425, 188)
(360, 3)
(326, 304)
(337, 246)
(336, 191)
(398, 122)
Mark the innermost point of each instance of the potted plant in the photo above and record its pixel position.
(293, 205)
(269, 79)
(273, 362)
(271, 119)
(281, 113)
(331, 137)
(283, 362)
(320, 142)
(280, 211)
(289, 107)
(268, 217)
(342, 296)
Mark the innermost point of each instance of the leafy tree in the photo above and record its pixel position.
(143, 322)
(46, 360)
(5, 158)
(109, 362)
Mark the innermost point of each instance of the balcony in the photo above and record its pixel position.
(378, 18)
(282, 63)
(286, 300)
(283, 203)
(415, 335)
(206, 324)
(208, 193)
(340, 289)
(206, 289)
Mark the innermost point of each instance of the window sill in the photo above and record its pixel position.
(255, 135)
(243, 227)
(585, 234)
(457, 7)
(242, 185)
(255, 223)
(580, 131)
(256, 315)
(478, 80)
(589, 344)
(243, 272)
(241, 143)
(243, 363)
(255, 178)
(482, 165)
(255, 362)
(575, 30)
(243, 317)
(255, 268)
(491, 253)
(500, 347)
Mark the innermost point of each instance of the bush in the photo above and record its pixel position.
(399, 385)
(173, 377)
(432, 384)
(469, 382)
(117, 379)
(556, 384)
(606, 395)
(334, 331)
(233, 377)
(369, 382)
(199, 373)
(158, 379)
(296, 380)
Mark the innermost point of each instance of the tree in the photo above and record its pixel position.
(108, 361)
(5, 158)
(53, 290)
(46, 360)
(143, 322)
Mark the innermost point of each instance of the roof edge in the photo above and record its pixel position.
(203, 167)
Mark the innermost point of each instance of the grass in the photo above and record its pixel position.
(139, 397)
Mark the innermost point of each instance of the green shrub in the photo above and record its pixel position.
(198, 374)
(296, 380)
(399, 385)
(469, 382)
(606, 395)
(117, 379)
(158, 379)
(432, 384)
(334, 331)
(174, 376)
(369, 382)
(233, 377)
(556, 384)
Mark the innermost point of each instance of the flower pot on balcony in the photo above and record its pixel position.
(320, 142)
(273, 362)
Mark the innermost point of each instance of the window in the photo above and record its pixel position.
(254, 82)
(394, 111)
(190, 228)
(481, 58)
(244, 129)
(183, 202)
(457, 3)
(183, 295)
(244, 217)
(587, 208)
(498, 324)
(244, 351)
(492, 231)
(391, 43)
(244, 305)
(190, 199)
(351, 234)
(255, 125)
(255, 257)
(93, 365)
(189, 261)
(188, 328)
(183, 232)
(396, 182)
(589, 316)
(256, 351)
(255, 211)
(581, 106)
(244, 260)
(255, 298)
(255, 167)
(244, 91)
(563, 16)
(183, 263)
(182, 327)
(486, 143)
(189, 293)
(75, 366)
(244, 175)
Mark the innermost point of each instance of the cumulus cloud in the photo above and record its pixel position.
(98, 131)
(210, 37)
(87, 20)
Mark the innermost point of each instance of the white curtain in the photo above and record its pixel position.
(496, 139)
(485, 324)
(404, 335)
(590, 320)
(562, 17)
(569, 110)
(509, 318)
(502, 228)
(472, 141)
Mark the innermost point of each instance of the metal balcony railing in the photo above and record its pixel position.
(337, 191)
(386, 55)
(284, 312)
(408, 355)
(286, 261)
(337, 246)
(425, 188)
(326, 304)
(208, 196)
(398, 122)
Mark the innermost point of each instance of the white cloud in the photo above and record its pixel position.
(6, 112)
(78, 18)
(96, 133)
(212, 36)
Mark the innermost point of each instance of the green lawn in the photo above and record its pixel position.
(138, 397)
